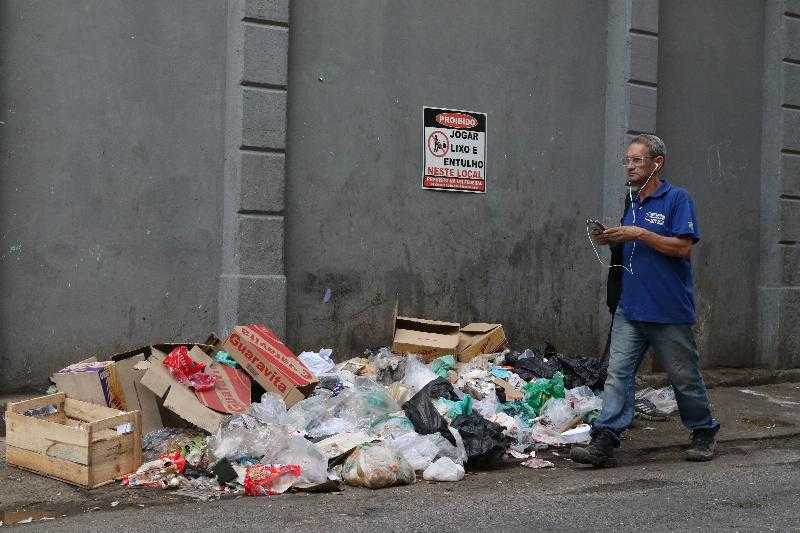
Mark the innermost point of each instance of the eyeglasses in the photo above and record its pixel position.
(637, 161)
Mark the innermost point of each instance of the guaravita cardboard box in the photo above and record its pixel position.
(270, 362)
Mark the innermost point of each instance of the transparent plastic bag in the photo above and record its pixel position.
(444, 469)
(389, 367)
(307, 412)
(332, 426)
(455, 452)
(663, 399)
(376, 466)
(391, 425)
(417, 374)
(271, 409)
(301, 452)
(418, 450)
(583, 401)
(488, 406)
(557, 413)
(245, 437)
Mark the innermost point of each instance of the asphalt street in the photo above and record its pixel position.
(751, 486)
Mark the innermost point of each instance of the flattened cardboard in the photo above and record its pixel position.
(137, 396)
(270, 362)
(177, 397)
(512, 394)
(480, 338)
(93, 382)
(427, 338)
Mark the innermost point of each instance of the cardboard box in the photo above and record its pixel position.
(427, 338)
(480, 338)
(78, 442)
(268, 361)
(91, 381)
(229, 394)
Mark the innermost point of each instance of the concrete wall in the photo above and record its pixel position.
(359, 224)
(111, 141)
(709, 113)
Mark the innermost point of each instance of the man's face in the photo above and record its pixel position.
(638, 163)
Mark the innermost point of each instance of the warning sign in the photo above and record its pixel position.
(455, 150)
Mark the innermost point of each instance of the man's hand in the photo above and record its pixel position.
(621, 234)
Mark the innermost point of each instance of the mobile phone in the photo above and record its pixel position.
(595, 227)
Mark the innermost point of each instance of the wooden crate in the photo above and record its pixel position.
(78, 443)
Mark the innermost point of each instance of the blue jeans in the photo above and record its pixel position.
(676, 350)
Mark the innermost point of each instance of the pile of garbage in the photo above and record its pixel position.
(389, 417)
(376, 421)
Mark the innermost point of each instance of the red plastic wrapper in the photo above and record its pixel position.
(188, 371)
(268, 480)
(177, 459)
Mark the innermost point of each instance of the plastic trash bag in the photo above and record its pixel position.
(389, 367)
(424, 415)
(442, 365)
(318, 362)
(399, 393)
(557, 413)
(163, 441)
(332, 426)
(488, 406)
(485, 442)
(663, 399)
(312, 462)
(271, 409)
(536, 393)
(446, 448)
(452, 409)
(391, 425)
(309, 411)
(417, 374)
(268, 480)
(243, 437)
(583, 400)
(418, 450)
(376, 466)
(444, 469)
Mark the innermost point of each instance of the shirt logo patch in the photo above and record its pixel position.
(691, 226)
(655, 218)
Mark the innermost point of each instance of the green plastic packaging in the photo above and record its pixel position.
(441, 365)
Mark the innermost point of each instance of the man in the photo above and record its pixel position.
(656, 308)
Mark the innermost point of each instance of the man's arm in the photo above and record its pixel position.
(680, 247)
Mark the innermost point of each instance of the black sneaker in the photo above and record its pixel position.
(599, 452)
(704, 442)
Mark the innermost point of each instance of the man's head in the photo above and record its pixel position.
(644, 157)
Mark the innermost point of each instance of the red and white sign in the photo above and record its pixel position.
(455, 150)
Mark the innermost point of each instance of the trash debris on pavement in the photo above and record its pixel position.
(535, 462)
(444, 400)
(655, 404)
(444, 469)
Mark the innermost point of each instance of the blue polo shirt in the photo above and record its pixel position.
(660, 288)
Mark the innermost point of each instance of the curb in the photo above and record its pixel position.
(731, 377)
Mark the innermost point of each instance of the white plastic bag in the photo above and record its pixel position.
(557, 412)
(444, 469)
(418, 450)
(578, 435)
(318, 362)
(417, 374)
(299, 451)
(583, 401)
(271, 409)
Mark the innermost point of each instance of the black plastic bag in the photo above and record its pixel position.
(583, 371)
(532, 364)
(484, 441)
(424, 416)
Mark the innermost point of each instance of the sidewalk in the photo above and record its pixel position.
(747, 414)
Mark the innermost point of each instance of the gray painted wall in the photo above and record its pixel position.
(709, 113)
(357, 221)
(109, 178)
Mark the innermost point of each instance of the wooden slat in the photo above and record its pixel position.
(20, 435)
(55, 399)
(112, 422)
(88, 412)
(50, 430)
(48, 466)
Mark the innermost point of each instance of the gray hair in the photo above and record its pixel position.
(654, 144)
